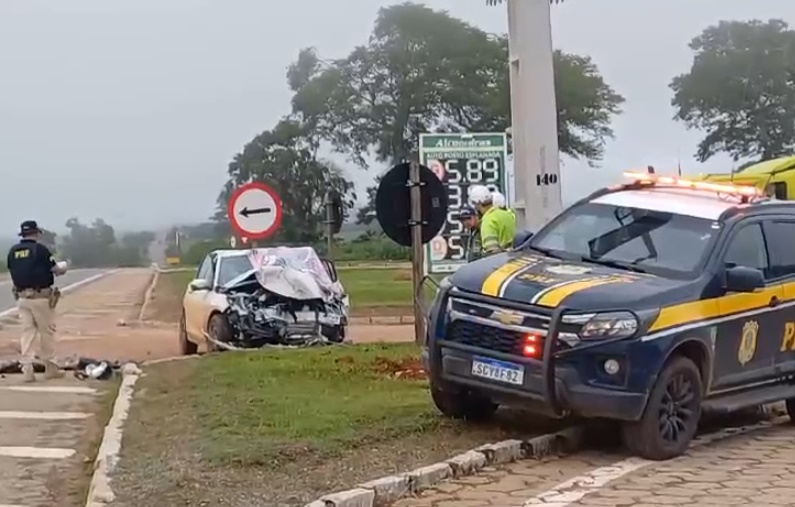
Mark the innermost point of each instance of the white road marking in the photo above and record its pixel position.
(43, 416)
(68, 288)
(575, 489)
(50, 389)
(11, 505)
(36, 452)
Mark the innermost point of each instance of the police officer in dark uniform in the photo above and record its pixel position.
(33, 269)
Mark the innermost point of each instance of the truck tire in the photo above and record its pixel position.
(462, 404)
(672, 413)
(186, 347)
(791, 409)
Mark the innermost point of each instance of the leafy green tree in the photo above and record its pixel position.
(425, 71)
(740, 90)
(286, 158)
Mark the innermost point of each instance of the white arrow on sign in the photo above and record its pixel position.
(255, 211)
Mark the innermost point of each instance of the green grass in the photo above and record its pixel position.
(286, 403)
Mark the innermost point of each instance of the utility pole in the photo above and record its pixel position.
(534, 126)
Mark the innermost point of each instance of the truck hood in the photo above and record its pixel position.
(528, 277)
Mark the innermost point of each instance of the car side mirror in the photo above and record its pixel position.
(521, 237)
(744, 279)
(198, 285)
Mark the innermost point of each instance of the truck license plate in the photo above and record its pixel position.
(500, 371)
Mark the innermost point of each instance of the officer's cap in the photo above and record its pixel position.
(29, 227)
(467, 212)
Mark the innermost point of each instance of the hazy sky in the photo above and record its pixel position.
(131, 110)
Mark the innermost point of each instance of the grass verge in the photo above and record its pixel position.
(283, 427)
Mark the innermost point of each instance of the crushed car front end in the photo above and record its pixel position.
(288, 297)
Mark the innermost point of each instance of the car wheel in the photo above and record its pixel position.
(220, 330)
(672, 413)
(186, 346)
(462, 404)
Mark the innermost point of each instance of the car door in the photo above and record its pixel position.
(195, 300)
(748, 330)
(781, 240)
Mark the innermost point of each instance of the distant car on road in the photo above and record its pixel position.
(643, 303)
(266, 296)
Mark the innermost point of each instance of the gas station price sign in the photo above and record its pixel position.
(460, 161)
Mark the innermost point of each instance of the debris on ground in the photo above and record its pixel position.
(83, 367)
(409, 368)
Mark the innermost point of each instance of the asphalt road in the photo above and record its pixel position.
(7, 299)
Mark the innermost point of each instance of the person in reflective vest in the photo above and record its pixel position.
(499, 201)
(497, 225)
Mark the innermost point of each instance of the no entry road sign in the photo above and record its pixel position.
(255, 211)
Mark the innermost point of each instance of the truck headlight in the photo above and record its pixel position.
(610, 325)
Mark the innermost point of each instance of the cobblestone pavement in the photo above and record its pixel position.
(754, 469)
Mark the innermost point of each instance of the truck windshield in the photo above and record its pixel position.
(639, 239)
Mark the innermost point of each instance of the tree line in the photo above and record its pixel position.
(97, 245)
(423, 70)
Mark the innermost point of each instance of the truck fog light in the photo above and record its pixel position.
(612, 366)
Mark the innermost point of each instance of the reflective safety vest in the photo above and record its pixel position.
(497, 229)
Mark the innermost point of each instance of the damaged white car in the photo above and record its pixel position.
(265, 296)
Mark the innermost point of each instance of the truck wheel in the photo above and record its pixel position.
(791, 409)
(672, 413)
(220, 330)
(460, 404)
(186, 346)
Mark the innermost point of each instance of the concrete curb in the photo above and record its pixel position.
(148, 294)
(389, 489)
(99, 491)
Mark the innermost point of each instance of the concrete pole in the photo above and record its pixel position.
(534, 114)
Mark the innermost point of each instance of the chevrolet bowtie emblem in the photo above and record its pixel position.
(507, 317)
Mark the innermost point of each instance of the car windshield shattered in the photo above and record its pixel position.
(629, 238)
(233, 267)
(282, 296)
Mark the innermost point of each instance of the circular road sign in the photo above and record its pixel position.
(255, 211)
(393, 204)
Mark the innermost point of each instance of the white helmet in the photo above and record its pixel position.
(498, 199)
(479, 194)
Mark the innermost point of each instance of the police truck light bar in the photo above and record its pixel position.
(655, 179)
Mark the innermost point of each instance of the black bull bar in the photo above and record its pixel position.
(548, 356)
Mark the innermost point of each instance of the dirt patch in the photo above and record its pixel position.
(410, 368)
(165, 302)
(167, 459)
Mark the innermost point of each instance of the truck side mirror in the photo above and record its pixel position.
(744, 279)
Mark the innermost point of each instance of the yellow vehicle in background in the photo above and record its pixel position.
(775, 177)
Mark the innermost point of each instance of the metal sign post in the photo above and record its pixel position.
(417, 251)
(460, 161)
(411, 206)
